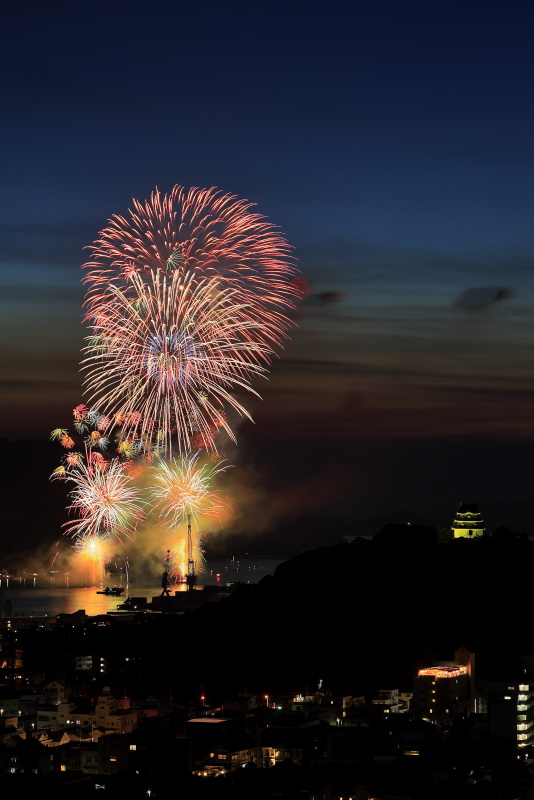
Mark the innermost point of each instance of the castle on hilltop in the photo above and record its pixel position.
(468, 522)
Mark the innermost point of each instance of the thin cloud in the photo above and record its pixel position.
(24, 293)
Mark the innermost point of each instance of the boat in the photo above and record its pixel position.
(114, 591)
(133, 604)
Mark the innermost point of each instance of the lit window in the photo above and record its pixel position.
(133, 747)
(112, 759)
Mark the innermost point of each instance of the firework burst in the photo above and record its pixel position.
(105, 501)
(188, 298)
(174, 356)
(207, 233)
(182, 488)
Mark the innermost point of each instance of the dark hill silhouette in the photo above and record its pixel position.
(32, 511)
(405, 535)
(299, 534)
(358, 615)
(354, 615)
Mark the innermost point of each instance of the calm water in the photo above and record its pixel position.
(60, 599)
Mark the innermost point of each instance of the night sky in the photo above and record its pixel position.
(392, 142)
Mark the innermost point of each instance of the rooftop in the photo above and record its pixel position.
(443, 672)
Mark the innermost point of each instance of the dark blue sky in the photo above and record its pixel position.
(391, 141)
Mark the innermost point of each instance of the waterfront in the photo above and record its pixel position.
(19, 599)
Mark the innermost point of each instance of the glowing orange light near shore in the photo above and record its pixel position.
(91, 555)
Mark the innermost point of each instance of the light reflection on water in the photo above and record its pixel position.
(62, 600)
(58, 601)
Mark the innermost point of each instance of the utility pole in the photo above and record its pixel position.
(191, 578)
(165, 578)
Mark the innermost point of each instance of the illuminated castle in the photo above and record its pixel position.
(468, 522)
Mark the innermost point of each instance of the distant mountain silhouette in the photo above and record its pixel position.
(356, 617)
(302, 533)
(32, 512)
(510, 515)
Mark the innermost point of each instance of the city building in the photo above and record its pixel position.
(324, 705)
(110, 713)
(445, 690)
(511, 711)
(276, 744)
(391, 701)
(223, 759)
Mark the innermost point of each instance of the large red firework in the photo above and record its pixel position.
(187, 300)
(205, 232)
(175, 355)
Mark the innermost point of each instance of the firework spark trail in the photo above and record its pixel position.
(182, 491)
(105, 501)
(90, 550)
(206, 232)
(93, 547)
(179, 557)
(90, 556)
(174, 355)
